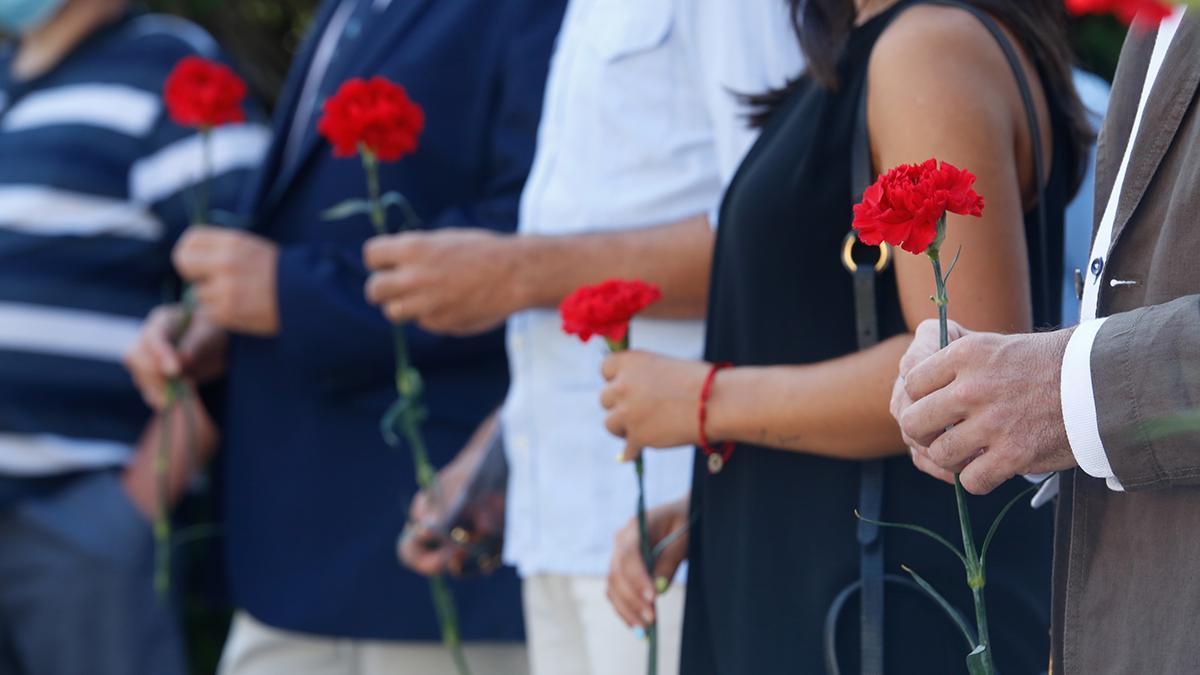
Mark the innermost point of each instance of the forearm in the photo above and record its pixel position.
(837, 408)
(677, 257)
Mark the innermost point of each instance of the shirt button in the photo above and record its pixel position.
(1097, 267)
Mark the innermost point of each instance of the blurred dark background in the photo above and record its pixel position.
(263, 34)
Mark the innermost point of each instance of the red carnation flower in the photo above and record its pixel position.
(375, 115)
(905, 204)
(1149, 11)
(203, 94)
(606, 309)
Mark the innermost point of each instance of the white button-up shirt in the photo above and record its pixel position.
(642, 126)
(1078, 403)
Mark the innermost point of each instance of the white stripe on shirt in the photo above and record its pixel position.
(115, 107)
(178, 166)
(46, 211)
(66, 332)
(28, 455)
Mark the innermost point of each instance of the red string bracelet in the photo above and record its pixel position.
(716, 458)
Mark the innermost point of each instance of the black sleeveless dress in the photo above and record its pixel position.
(775, 537)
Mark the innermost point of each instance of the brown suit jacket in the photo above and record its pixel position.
(1127, 565)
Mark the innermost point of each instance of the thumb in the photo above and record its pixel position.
(631, 452)
(668, 564)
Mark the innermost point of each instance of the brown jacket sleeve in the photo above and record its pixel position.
(1146, 368)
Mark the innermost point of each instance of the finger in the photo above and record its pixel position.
(140, 363)
(615, 423)
(986, 473)
(393, 284)
(924, 465)
(157, 340)
(932, 374)
(389, 250)
(609, 397)
(611, 366)
(196, 253)
(631, 452)
(927, 419)
(411, 308)
(625, 603)
(900, 400)
(926, 342)
(957, 445)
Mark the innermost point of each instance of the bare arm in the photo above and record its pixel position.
(921, 105)
(677, 257)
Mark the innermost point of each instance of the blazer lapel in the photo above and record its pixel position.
(377, 41)
(285, 107)
(1173, 95)
(1118, 122)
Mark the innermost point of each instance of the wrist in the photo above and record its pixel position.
(521, 263)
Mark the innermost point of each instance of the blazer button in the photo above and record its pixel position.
(1097, 267)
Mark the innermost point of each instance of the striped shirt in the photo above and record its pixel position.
(96, 185)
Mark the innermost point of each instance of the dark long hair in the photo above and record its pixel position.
(1038, 25)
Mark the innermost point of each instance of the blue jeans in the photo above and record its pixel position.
(76, 586)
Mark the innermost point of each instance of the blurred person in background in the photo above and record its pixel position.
(641, 131)
(315, 498)
(95, 186)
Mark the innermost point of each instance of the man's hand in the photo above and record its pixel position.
(987, 406)
(233, 275)
(452, 281)
(651, 400)
(153, 358)
(630, 588)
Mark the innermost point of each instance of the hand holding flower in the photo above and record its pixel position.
(651, 400)
(233, 275)
(630, 589)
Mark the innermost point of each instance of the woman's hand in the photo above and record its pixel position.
(154, 358)
(630, 588)
(651, 400)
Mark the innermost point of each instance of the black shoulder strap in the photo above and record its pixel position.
(871, 477)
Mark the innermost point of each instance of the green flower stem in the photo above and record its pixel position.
(176, 392)
(639, 466)
(974, 566)
(409, 389)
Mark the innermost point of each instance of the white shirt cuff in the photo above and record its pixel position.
(1079, 405)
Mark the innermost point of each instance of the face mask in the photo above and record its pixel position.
(19, 16)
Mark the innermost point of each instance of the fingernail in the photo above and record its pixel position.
(620, 457)
(661, 584)
(639, 632)
(648, 596)
(648, 616)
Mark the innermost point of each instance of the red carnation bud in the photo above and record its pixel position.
(376, 115)
(904, 205)
(203, 94)
(606, 308)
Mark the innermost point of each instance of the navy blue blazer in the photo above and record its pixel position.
(314, 498)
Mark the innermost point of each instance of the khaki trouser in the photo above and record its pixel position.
(573, 630)
(254, 648)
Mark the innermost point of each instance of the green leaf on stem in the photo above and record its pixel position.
(348, 208)
(977, 661)
(391, 420)
(942, 602)
(921, 530)
(953, 263)
(987, 541)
